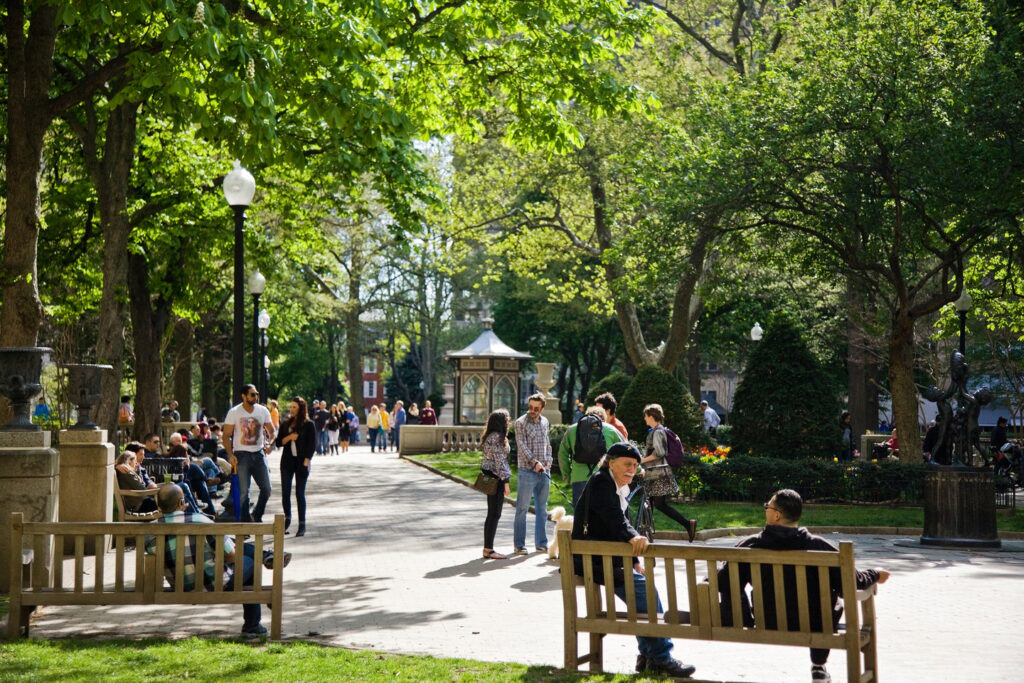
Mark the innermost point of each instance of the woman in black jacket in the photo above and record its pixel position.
(297, 439)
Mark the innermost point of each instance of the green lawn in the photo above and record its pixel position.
(227, 660)
(724, 515)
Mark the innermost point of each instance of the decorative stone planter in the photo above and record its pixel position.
(84, 390)
(20, 372)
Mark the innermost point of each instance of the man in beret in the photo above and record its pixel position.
(601, 516)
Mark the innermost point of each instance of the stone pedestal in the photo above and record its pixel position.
(960, 509)
(445, 414)
(86, 480)
(29, 482)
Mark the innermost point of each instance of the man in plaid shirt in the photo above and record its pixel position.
(534, 476)
(172, 504)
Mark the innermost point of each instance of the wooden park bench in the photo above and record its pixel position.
(137, 578)
(686, 589)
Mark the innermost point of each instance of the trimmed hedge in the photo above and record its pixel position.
(744, 478)
(616, 383)
(653, 384)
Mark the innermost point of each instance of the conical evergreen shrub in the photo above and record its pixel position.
(653, 384)
(785, 405)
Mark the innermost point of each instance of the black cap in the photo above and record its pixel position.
(623, 450)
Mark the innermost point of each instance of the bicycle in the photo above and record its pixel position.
(643, 520)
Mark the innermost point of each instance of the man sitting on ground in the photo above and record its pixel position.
(172, 504)
(783, 532)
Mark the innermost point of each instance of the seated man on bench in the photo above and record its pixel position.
(783, 532)
(172, 504)
(601, 516)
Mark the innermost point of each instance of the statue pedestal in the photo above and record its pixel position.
(960, 509)
(29, 478)
(86, 480)
(444, 415)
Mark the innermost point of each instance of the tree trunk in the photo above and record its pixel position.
(904, 391)
(148, 325)
(353, 340)
(29, 65)
(184, 348)
(693, 366)
(861, 364)
(111, 176)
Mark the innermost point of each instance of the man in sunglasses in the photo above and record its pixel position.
(248, 436)
(782, 531)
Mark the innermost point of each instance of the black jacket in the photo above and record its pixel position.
(306, 444)
(778, 537)
(600, 518)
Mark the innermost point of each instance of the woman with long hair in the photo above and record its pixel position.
(495, 461)
(297, 440)
(654, 460)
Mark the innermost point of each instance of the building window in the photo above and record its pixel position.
(505, 395)
(369, 389)
(474, 401)
(370, 365)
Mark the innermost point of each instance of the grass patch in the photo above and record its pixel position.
(725, 515)
(225, 660)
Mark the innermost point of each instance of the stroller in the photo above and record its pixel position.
(1008, 462)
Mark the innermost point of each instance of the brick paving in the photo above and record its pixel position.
(391, 561)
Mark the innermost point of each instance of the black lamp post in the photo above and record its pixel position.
(264, 322)
(962, 305)
(257, 284)
(239, 188)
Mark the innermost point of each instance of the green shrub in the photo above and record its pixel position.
(785, 405)
(653, 384)
(723, 435)
(616, 383)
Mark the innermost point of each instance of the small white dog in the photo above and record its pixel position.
(562, 521)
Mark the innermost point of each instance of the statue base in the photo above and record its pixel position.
(960, 509)
(29, 483)
(86, 481)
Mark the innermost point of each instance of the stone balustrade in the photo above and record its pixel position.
(439, 439)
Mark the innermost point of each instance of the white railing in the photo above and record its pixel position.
(439, 439)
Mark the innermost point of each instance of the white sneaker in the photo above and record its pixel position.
(819, 674)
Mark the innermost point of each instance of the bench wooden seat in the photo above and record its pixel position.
(126, 515)
(692, 606)
(136, 578)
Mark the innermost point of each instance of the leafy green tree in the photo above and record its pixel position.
(785, 406)
(890, 177)
(653, 384)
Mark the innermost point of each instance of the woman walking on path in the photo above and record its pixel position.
(495, 461)
(373, 427)
(657, 449)
(344, 429)
(333, 427)
(297, 440)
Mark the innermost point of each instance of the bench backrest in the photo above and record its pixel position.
(685, 568)
(137, 578)
(123, 513)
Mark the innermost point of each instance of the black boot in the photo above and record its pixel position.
(302, 529)
(287, 523)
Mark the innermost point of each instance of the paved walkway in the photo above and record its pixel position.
(392, 562)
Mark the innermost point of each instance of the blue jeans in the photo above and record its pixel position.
(377, 434)
(536, 485)
(254, 464)
(658, 649)
(251, 613)
(395, 440)
(321, 441)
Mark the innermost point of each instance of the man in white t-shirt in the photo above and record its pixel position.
(248, 437)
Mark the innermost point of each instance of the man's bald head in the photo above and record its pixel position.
(169, 498)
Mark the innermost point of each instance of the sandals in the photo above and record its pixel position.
(494, 555)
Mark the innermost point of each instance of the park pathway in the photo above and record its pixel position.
(391, 561)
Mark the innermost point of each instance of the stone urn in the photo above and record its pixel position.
(20, 371)
(545, 379)
(84, 390)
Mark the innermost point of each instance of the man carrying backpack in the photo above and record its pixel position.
(583, 446)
